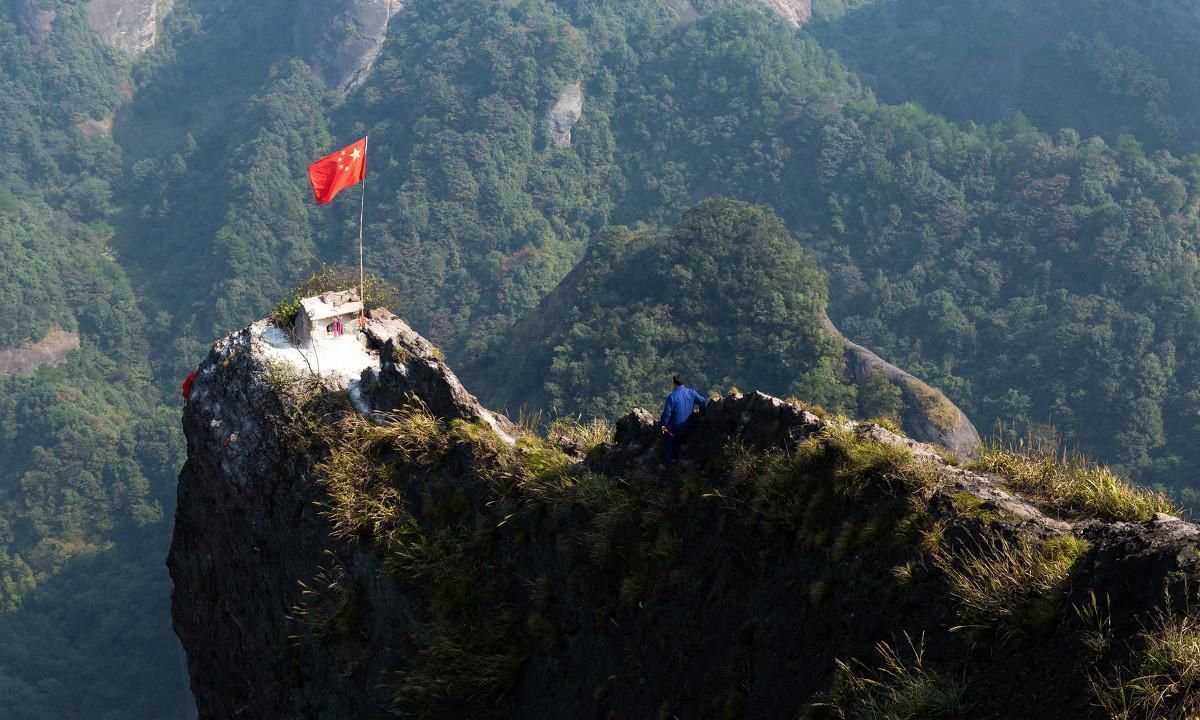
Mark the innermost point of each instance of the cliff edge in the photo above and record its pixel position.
(366, 540)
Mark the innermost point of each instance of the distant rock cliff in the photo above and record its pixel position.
(927, 414)
(131, 26)
(435, 561)
(341, 39)
(565, 113)
(796, 12)
(684, 9)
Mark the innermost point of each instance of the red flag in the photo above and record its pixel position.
(339, 170)
(187, 384)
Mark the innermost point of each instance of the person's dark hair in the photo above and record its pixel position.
(677, 379)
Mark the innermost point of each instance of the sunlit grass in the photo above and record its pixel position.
(1009, 585)
(1070, 484)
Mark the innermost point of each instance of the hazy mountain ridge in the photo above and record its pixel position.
(1100, 68)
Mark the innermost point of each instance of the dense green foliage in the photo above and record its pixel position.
(725, 298)
(94, 641)
(954, 251)
(980, 247)
(87, 452)
(216, 221)
(1103, 68)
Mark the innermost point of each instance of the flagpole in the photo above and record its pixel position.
(362, 297)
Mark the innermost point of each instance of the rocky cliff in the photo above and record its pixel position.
(796, 12)
(926, 414)
(131, 26)
(365, 540)
(341, 40)
(565, 114)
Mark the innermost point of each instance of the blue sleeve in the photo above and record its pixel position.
(666, 414)
(700, 399)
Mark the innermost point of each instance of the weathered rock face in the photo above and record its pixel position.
(644, 591)
(340, 39)
(249, 526)
(34, 20)
(796, 12)
(51, 350)
(131, 26)
(928, 415)
(565, 114)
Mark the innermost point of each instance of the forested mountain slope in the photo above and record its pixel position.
(726, 298)
(1103, 68)
(88, 452)
(149, 204)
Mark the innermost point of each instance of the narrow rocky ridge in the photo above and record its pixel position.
(717, 610)
(929, 416)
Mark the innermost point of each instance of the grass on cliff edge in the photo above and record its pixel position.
(841, 460)
(1071, 486)
(1013, 586)
(474, 649)
(1163, 680)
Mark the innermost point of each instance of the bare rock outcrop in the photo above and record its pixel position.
(131, 26)
(341, 39)
(565, 114)
(410, 366)
(796, 12)
(249, 525)
(928, 415)
(51, 350)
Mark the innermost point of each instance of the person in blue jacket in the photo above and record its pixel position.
(677, 421)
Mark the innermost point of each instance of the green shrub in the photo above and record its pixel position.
(379, 292)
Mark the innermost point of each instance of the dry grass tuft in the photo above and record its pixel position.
(887, 423)
(1096, 619)
(364, 496)
(332, 605)
(901, 688)
(465, 672)
(1071, 485)
(1010, 585)
(1166, 684)
(573, 432)
(864, 461)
